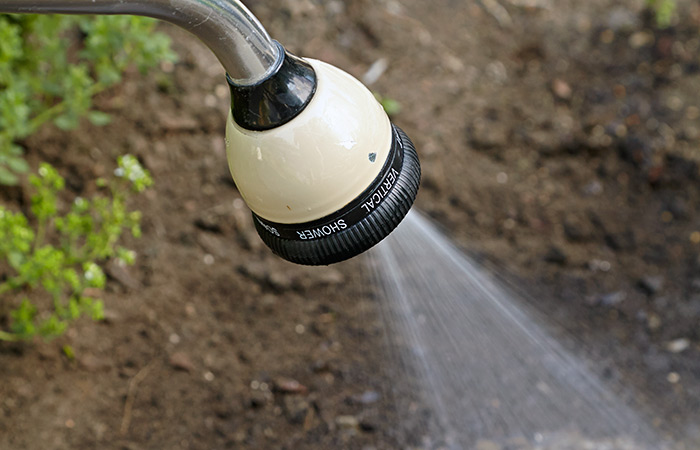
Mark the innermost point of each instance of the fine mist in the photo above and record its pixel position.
(490, 374)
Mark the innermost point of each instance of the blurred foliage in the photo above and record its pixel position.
(50, 266)
(663, 10)
(391, 106)
(52, 66)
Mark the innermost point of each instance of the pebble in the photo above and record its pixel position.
(641, 39)
(289, 386)
(561, 89)
(181, 361)
(296, 408)
(484, 135)
(183, 123)
(622, 18)
(574, 230)
(280, 281)
(92, 363)
(653, 322)
(652, 284)
(347, 421)
(368, 426)
(210, 222)
(365, 398)
(623, 241)
(497, 72)
(375, 71)
(612, 298)
(593, 188)
(257, 399)
(555, 255)
(120, 273)
(678, 345)
(331, 276)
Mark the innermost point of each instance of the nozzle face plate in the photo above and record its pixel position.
(359, 225)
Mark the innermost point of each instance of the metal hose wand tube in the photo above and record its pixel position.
(227, 27)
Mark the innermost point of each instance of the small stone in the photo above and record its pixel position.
(623, 241)
(365, 398)
(561, 89)
(622, 18)
(653, 322)
(612, 299)
(209, 222)
(368, 426)
(289, 386)
(651, 284)
(280, 281)
(331, 276)
(92, 363)
(641, 39)
(184, 123)
(486, 135)
(257, 399)
(574, 230)
(180, 361)
(673, 377)
(555, 255)
(296, 408)
(347, 421)
(110, 316)
(593, 188)
(256, 271)
(120, 273)
(678, 345)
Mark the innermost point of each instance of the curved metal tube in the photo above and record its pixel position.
(227, 27)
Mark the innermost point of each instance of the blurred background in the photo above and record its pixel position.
(559, 142)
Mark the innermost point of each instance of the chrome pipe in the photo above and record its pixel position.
(227, 27)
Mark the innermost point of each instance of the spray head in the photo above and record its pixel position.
(315, 157)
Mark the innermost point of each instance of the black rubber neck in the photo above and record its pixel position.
(358, 225)
(278, 98)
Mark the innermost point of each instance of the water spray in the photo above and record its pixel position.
(313, 154)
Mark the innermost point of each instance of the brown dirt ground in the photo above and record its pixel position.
(562, 148)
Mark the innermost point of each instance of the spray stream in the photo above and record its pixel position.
(490, 370)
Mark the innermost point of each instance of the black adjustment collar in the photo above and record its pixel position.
(278, 98)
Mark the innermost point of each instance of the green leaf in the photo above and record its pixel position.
(66, 121)
(68, 351)
(99, 118)
(7, 177)
(18, 165)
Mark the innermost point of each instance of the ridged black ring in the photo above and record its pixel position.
(362, 235)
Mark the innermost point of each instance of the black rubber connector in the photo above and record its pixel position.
(278, 98)
(357, 226)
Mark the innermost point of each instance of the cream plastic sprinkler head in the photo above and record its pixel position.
(318, 162)
(312, 152)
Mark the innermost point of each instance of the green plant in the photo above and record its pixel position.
(663, 10)
(391, 106)
(52, 66)
(52, 266)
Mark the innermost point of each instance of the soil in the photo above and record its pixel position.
(560, 144)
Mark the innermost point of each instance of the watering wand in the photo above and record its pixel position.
(313, 154)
